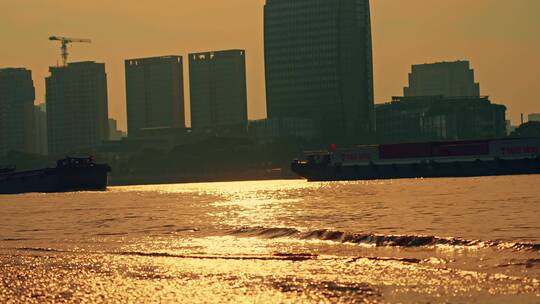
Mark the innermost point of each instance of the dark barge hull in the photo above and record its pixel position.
(50, 180)
(496, 167)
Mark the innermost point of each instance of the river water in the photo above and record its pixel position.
(408, 241)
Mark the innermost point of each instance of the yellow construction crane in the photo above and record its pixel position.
(65, 41)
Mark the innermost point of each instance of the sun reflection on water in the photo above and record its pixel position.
(222, 188)
(249, 203)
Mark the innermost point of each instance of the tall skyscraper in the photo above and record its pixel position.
(318, 58)
(442, 78)
(17, 96)
(217, 83)
(77, 113)
(155, 93)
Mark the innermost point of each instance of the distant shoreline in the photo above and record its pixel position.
(160, 180)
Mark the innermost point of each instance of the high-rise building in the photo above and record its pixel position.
(40, 131)
(17, 96)
(442, 78)
(155, 93)
(217, 83)
(77, 110)
(318, 59)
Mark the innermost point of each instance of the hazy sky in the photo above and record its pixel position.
(501, 38)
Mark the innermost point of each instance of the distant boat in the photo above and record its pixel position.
(70, 174)
(417, 160)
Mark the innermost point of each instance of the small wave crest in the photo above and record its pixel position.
(379, 240)
(529, 263)
(15, 239)
(276, 256)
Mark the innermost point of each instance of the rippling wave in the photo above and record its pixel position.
(276, 256)
(379, 240)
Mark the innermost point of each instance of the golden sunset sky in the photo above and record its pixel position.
(501, 38)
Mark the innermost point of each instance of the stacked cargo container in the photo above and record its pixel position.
(504, 148)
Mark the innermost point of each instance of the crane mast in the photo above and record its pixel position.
(64, 45)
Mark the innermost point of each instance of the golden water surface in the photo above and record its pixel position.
(408, 241)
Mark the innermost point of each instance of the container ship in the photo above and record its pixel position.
(70, 174)
(422, 160)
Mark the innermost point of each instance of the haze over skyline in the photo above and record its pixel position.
(499, 38)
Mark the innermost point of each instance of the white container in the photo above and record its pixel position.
(515, 148)
(357, 155)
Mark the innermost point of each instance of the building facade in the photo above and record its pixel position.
(218, 93)
(266, 131)
(77, 113)
(40, 132)
(17, 96)
(318, 62)
(155, 93)
(439, 118)
(442, 78)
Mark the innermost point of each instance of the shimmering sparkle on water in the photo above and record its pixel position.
(426, 240)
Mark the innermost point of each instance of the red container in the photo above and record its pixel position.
(470, 148)
(396, 151)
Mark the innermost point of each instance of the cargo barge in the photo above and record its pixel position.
(422, 160)
(70, 174)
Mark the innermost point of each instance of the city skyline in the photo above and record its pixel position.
(277, 151)
(496, 36)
